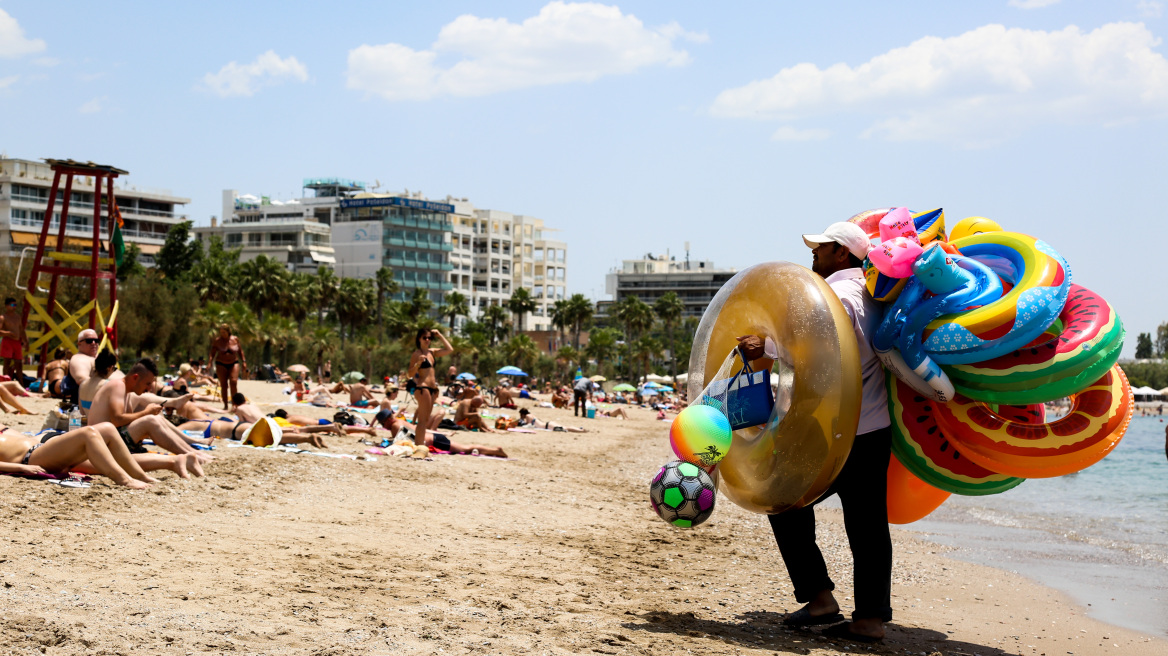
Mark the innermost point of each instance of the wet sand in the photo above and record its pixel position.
(555, 551)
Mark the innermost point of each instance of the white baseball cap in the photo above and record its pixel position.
(848, 235)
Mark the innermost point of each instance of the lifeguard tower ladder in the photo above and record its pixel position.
(59, 326)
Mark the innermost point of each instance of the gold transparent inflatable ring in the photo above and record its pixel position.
(792, 460)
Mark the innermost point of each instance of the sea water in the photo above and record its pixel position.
(1100, 535)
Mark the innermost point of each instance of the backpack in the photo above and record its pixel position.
(344, 418)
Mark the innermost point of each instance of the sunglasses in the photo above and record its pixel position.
(424, 338)
(90, 340)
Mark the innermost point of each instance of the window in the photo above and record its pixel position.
(235, 239)
(282, 239)
(538, 255)
(255, 239)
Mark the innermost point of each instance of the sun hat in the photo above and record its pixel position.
(848, 235)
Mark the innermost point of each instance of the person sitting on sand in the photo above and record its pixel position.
(188, 375)
(466, 414)
(504, 398)
(619, 413)
(80, 365)
(561, 398)
(359, 394)
(94, 449)
(527, 419)
(109, 404)
(55, 372)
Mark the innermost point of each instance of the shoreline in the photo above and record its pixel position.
(554, 551)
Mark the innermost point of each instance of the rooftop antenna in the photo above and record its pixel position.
(687, 256)
(376, 184)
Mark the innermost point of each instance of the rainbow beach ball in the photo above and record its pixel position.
(701, 435)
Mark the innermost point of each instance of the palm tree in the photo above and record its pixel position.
(523, 351)
(298, 298)
(397, 319)
(602, 345)
(326, 290)
(561, 317)
(669, 307)
(262, 281)
(355, 298)
(566, 355)
(580, 313)
(520, 304)
(321, 343)
(385, 285)
(495, 317)
(644, 351)
(419, 304)
(456, 306)
(637, 317)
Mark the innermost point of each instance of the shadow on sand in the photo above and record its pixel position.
(764, 630)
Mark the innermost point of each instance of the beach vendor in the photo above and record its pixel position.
(837, 255)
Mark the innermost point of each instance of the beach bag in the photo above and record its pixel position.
(746, 398)
(344, 418)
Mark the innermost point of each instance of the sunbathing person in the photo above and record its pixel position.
(359, 394)
(467, 415)
(55, 373)
(20, 454)
(7, 398)
(619, 413)
(442, 443)
(504, 398)
(527, 419)
(187, 374)
(109, 404)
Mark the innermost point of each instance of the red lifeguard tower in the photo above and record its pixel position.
(53, 260)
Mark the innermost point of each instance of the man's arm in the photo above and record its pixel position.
(118, 415)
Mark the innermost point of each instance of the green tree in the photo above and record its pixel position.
(669, 308)
(179, 253)
(130, 265)
(580, 311)
(520, 303)
(495, 317)
(1144, 346)
(354, 304)
(561, 317)
(522, 351)
(386, 285)
(214, 275)
(262, 282)
(602, 345)
(326, 291)
(456, 305)
(419, 304)
(1162, 340)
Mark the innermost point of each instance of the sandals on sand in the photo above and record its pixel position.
(842, 631)
(803, 618)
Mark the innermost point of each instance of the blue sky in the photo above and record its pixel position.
(633, 127)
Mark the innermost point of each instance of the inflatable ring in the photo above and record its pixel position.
(1041, 281)
(930, 227)
(928, 453)
(910, 498)
(1086, 347)
(1097, 421)
(791, 460)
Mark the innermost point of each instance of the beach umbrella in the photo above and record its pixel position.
(511, 371)
(649, 391)
(352, 377)
(651, 385)
(664, 388)
(298, 367)
(466, 375)
(598, 378)
(682, 379)
(654, 378)
(624, 387)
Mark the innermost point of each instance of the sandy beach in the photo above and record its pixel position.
(553, 551)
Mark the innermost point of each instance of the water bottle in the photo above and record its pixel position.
(75, 418)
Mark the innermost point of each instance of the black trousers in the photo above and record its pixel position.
(862, 486)
(578, 404)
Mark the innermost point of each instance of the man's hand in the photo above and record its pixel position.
(753, 347)
(152, 409)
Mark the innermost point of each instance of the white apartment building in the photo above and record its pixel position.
(435, 245)
(24, 194)
(295, 233)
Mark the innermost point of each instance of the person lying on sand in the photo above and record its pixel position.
(439, 441)
(619, 413)
(527, 419)
(466, 414)
(109, 404)
(94, 449)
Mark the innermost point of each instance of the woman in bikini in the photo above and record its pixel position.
(422, 379)
(228, 357)
(55, 373)
(528, 419)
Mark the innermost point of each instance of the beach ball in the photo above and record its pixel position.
(973, 225)
(700, 434)
(682, 494)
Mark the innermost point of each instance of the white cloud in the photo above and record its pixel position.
(975, 88)
(1033, 4)
(1150, 8)
(565, 42)
(6, 82)
(244, 80)
(93, 106)
(12, 40)
(788, 133)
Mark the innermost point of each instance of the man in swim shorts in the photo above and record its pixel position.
(359, 394)
(837, 256)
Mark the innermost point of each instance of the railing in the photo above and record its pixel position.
(87, 231)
